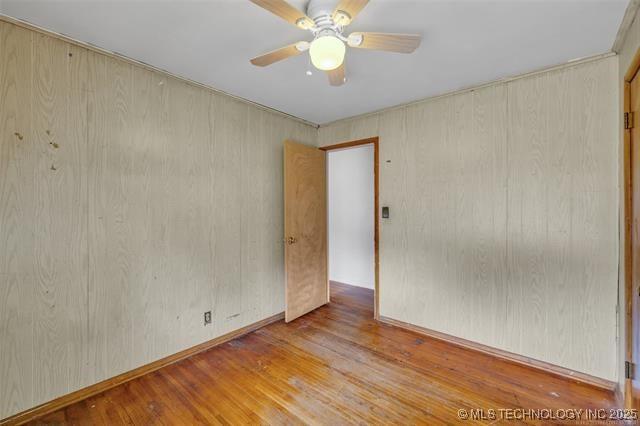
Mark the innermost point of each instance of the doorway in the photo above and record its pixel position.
(352, 215)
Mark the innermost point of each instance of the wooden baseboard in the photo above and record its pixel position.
(509, 356)
(79, 395)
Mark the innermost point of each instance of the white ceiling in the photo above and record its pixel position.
(465, 43)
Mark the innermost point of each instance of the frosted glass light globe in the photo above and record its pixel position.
(327, 52)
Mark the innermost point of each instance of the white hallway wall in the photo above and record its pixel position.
(351, 216)
(504, 220)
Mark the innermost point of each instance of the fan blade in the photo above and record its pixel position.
(401, 43)
(337, 76)
(286, 12)
(352, 7)
(277, 55)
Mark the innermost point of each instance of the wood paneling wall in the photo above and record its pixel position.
(504, 214)
(130, 204)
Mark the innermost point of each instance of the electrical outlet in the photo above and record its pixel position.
(207, 318)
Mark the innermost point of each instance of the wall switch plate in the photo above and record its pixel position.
(207, 318)
(385, 212)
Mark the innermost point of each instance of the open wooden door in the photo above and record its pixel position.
(305, 229)
(632, 142)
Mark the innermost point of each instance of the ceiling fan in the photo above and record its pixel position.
(327, 49)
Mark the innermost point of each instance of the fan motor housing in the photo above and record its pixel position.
(320, 8)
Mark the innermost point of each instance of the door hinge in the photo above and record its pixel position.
(628, 120)
(629, 370)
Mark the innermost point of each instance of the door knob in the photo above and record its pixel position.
(291, 240)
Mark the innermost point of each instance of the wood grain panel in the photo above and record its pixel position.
(483, 173)
(528, 247)
(562, 152)
(58, 120)
(112, 234)
(17, 279)
(148, 183)
(595, 182)
(262, 213)
(503, 214)
(564, 243)
(393, 238)
(229, 135)
(109, 259)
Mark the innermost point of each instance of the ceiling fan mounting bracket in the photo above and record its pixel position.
(342, 18)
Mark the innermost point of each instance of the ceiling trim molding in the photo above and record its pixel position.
(28, 25)
(476, 87)
(625, 25)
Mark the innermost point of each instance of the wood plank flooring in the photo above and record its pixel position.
(333, 366)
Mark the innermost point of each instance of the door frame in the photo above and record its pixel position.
(631, 73)
(376, 208)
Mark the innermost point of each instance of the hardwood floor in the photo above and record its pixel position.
(333, 366)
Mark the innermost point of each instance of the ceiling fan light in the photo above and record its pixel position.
(327, 52)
